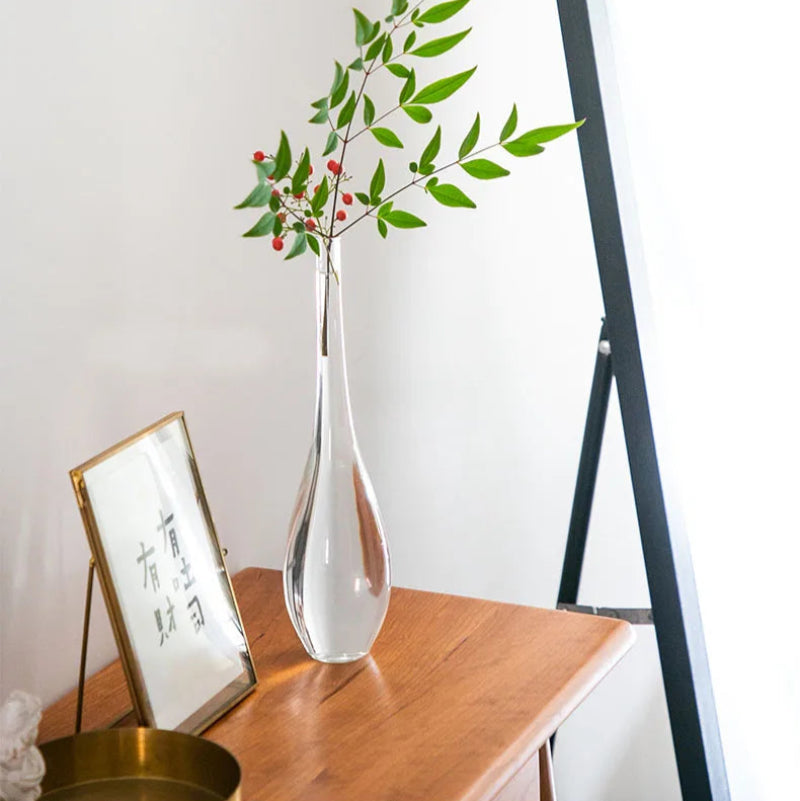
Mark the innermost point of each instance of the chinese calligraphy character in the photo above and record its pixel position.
(160, 625)
(171, 615)
(187, 572)
(196, 614)
(169, 532)
(171, 621)
(151, 569)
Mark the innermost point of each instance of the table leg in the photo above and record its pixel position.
(547, 788)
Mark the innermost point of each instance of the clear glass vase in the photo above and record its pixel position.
(336, 574)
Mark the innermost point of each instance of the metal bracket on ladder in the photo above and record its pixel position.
(637, 617)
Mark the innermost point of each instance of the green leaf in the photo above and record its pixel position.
(442, 12)
(408, 87)
(385, 208)
(471, 139)
(450, 195)
(320, 197)
(369, 111)
(399, 7)
(413, 166)
(364, 28)
(426, 169)
(320, 117)
(341, 90)
(313, 243)
(432, 182)
(376, 26)
(382, 229)
(418, 113)
(298, 246)
(264, 170)
(440, 90)
(522, 147)
(283, 158)
(300, 177)
(484, 169)
(375, 48)
(386, 137)
(409, 42)
(547, 134)
(357, 65)
(274, 203)
(386, 54)
(331, 144)
(338, 77)
(378, 181)
(257, 198)
(263, 226)
(278, 227)
(510, 126)
(323, 101)
(438, 46)
(398, 70)
(402, 219)
(432, 148)
(363, 197)
(348, 109)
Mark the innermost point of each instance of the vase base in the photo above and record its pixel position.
(337, 658)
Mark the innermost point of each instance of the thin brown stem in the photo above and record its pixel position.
(347, 139)
(345, 142)
(367, 127)
(407, 15)
(291, 211)
(416, 181)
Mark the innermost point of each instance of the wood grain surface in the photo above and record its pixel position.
(454, 702)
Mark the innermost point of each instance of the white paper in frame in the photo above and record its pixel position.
(163, 576)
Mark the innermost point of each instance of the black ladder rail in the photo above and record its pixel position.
(670, 575)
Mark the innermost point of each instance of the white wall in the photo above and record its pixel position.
(127, 293)
(710, 101)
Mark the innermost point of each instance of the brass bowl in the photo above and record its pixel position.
(140, 765)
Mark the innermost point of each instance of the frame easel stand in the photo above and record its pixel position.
(87, 614)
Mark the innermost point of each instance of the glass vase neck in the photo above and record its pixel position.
(330, 336)
(333, 393)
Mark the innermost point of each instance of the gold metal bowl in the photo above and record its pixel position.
(140, 765)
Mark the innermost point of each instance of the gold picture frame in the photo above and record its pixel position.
(164, 580)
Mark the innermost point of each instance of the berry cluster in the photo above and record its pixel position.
(309, 223)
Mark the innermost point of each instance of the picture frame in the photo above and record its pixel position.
(162, 572)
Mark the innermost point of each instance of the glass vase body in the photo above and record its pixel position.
(336, 574)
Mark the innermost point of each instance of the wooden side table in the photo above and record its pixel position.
(456, 702)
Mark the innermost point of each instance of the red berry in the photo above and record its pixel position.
(310, 225)
(282, 217)
(259, 155)
(275, 193)
(310, 169)
(299, 195)
(334, 167)
(347, 198)
(270, 177)
(341, 215)
(277, 243)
